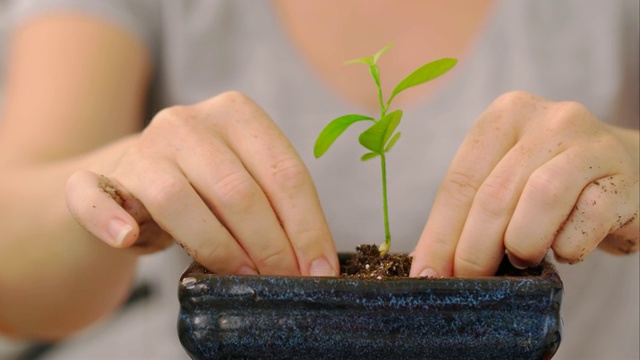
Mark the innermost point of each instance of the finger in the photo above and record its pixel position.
(98, 208)
(112, 214)
(243, 208)
(481, 246)
(178, 210)
(547, 201)
(624, 237)
(603, 207)
(625, 240)
(275, 166)
(151, 237)
(477, 156)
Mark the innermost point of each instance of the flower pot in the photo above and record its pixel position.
(514, 315)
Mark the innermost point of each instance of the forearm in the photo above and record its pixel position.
(54, 277)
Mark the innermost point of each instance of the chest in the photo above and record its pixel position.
(327, 33)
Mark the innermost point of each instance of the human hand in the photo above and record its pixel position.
(221, 180)
(531, 175)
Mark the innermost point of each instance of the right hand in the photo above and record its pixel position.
(220, 179)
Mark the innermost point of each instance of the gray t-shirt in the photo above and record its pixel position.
(585, 51)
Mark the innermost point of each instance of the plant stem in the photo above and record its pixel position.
(384, 248)
(383, 109)
(385, 205)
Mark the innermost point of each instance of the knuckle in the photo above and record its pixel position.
(594, 204)
(163, 193)
(173, 121)
(513, 100)
(494, 196)
(507, 99)
(579, 236)
(510, 109)
(172, 114)
(290, 173)
(546, 186)
(459, 186)
(566, 115)
(236, 191)
(570, 108)
(232, 98)
(232, 110)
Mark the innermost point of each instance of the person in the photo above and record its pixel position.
(128, 126)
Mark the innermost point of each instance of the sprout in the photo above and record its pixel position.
(381, 136)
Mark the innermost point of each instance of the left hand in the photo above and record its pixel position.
(530, 176)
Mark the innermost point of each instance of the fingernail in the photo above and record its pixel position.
(118, 231)
(517, 263)
(428, 272)
(247, 270)
(321, 267)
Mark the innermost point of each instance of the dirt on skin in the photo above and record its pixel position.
(106, 185)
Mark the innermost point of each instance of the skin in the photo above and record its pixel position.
(164, 175)
(352, 30)
(258, 179)
(530, 176)
(199, 173)
(39, 150)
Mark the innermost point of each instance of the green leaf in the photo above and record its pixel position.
(392, 142)
(333, 130)
(365, 60)
(376, 136)
(368, 156)
(425, 73)
(379, 53)
(369, 60)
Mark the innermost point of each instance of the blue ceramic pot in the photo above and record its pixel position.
(509, 316)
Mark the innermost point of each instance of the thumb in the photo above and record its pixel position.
(110, 213)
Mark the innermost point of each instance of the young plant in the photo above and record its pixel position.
(381, 136)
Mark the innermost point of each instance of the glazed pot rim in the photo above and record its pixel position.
(544, 272)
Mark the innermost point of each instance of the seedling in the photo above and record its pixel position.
(381, 136)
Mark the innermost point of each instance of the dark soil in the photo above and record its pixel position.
(368, 263)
